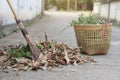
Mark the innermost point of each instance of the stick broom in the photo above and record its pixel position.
(35, 51)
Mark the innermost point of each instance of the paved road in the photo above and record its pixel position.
(106, 68)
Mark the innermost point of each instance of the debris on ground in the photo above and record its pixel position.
(52, 55)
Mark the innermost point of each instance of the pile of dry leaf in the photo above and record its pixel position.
(52, 55)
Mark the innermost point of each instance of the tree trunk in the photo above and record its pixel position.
(100, 6)
(54, 2)
(109, 11)
(43, 5)
(75, 4)
(85, 6)
(82, 6)
(46, 4)
(68, 5)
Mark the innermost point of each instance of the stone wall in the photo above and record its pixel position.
(25, 10)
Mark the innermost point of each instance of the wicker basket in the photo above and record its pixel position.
(93, 38)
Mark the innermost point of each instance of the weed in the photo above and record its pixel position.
(15, 30)
(92, 19)
(18, 52)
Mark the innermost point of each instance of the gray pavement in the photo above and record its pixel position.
(106, 68)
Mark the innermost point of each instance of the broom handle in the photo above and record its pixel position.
(35, 51)
(14, 14)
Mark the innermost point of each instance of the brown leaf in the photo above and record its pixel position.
(51, 55)
(45, 66)
(23, 60)
(66, 54)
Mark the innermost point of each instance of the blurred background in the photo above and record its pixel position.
(29, 9)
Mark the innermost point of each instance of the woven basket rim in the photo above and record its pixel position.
(110, 24)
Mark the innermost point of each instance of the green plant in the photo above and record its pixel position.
(92, 19)
(24, 50)
(15, 30)
(18, 52)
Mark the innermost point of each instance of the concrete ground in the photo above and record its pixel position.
(106, 68)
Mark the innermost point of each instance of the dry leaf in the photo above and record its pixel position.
(52, 55)
(66, 54)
